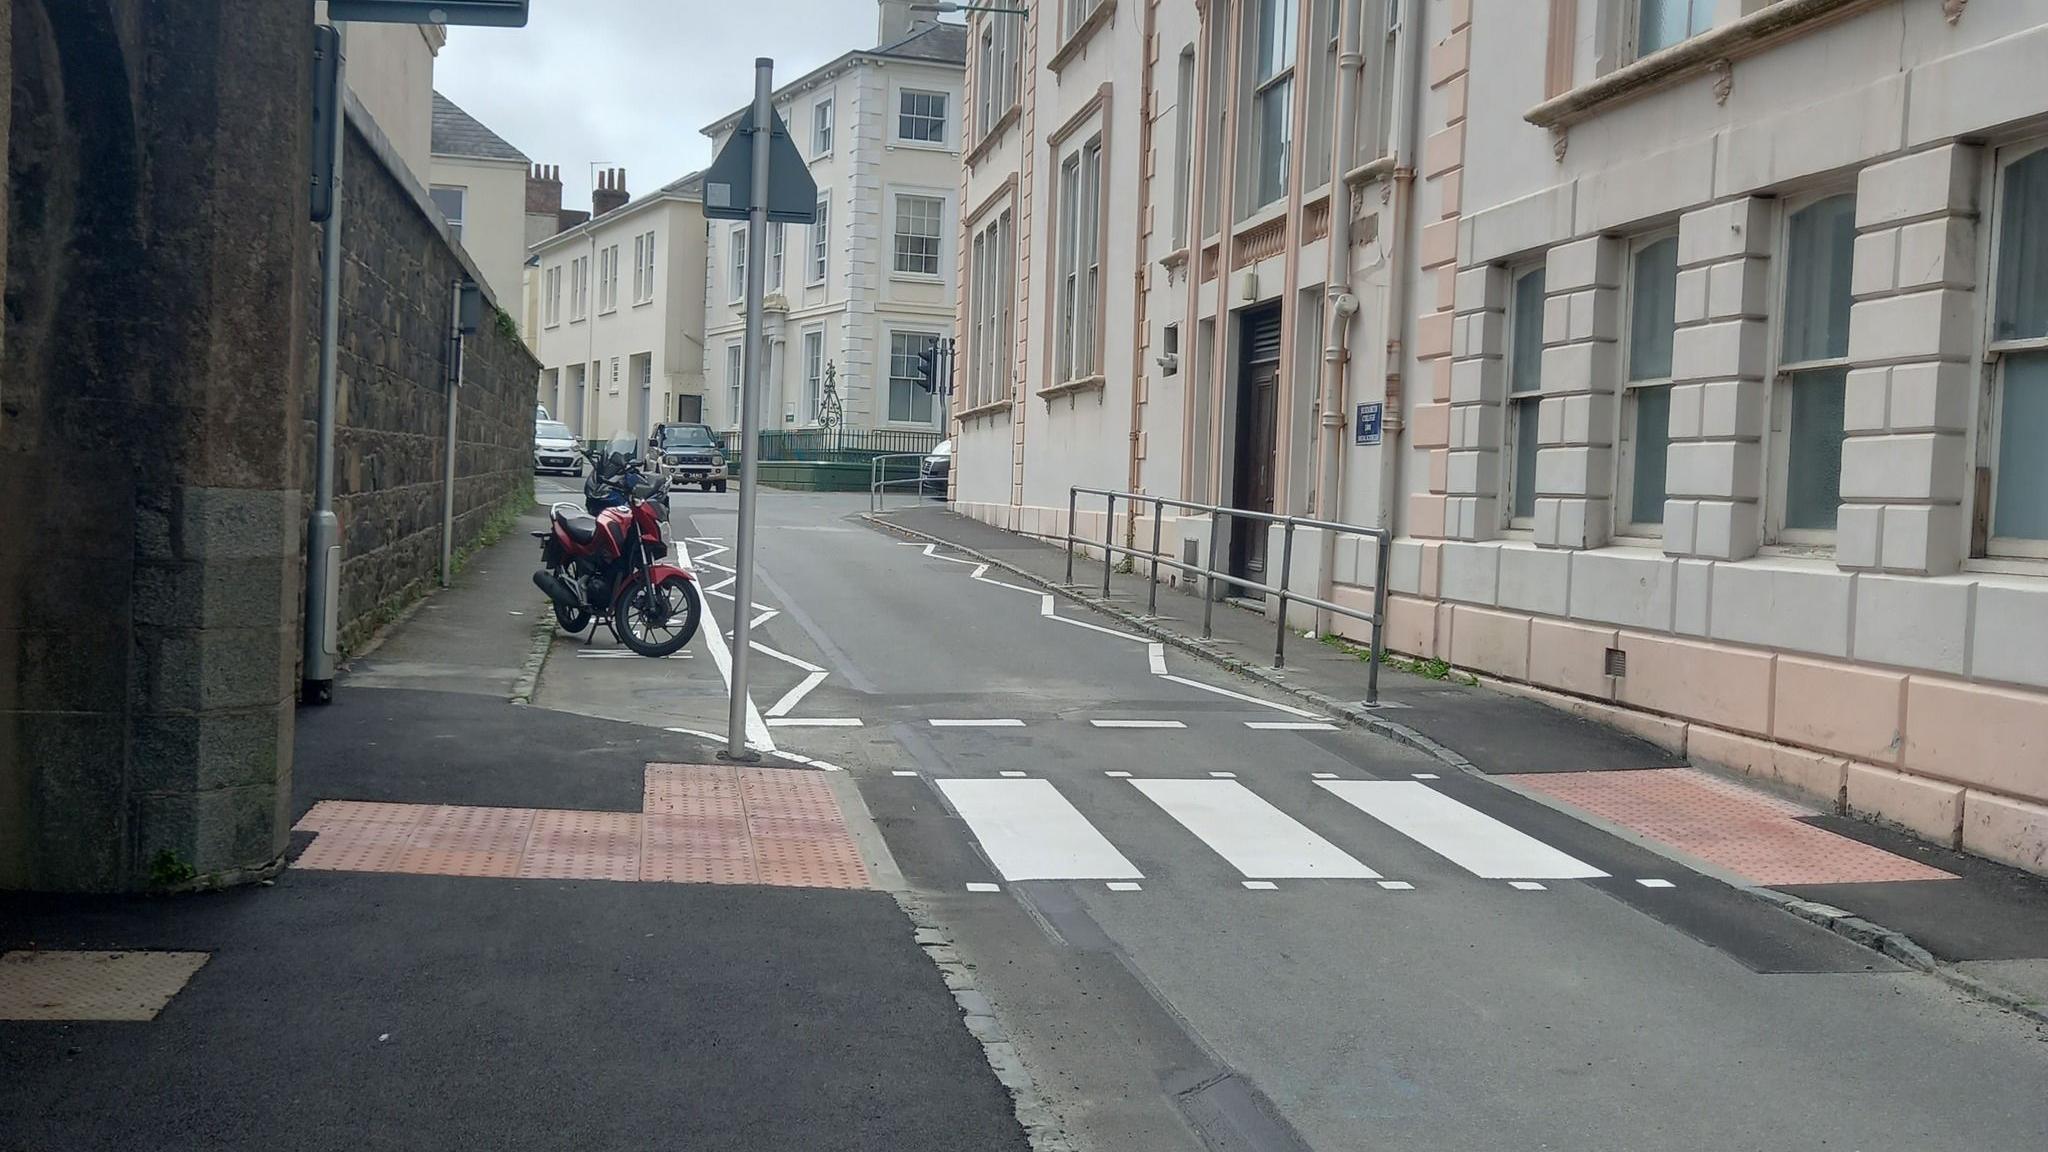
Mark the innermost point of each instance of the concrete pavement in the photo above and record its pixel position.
(378, 1001)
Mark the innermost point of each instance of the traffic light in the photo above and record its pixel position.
(928, 368)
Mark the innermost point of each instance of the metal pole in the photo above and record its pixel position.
(1209, 570)
(1108, 539)
(323, 531)
(750, 417)
(448, 464)
(1072, 495)
(1379, 618)
(1152, 597)
(1286, 570)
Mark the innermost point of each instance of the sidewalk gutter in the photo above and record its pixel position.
(1886, 941)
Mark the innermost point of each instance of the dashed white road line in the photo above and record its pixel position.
(1260, 885)
(1137, 724)
(1525, 886)
(814, 722)
(1123, 886)
(1156, 653)
(1289, 726)
(1653, 883)
(977, 887)
(937, 722)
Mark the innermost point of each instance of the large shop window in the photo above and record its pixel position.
(1525, 396)
(1813, 370)
(1646, 394)
(2019, 341)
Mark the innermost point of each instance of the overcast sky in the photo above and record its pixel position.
(630, 82)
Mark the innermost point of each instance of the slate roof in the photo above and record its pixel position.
(457, 133)
(943, 43)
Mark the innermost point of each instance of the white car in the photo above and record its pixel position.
(556, 449)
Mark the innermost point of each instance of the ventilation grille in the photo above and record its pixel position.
(1617, 662)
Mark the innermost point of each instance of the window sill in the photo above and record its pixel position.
(1075, 387)
(993, 408)
(2032, 566)
(817, 156)
(996, 131)
(643, 303)
(918, 277)
(608, 311)
(1077, 41)
(1744, 37)
(922, 145)
(1370, 171)
(1176, 259)
(1260, 218)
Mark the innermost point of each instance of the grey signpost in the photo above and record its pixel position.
(758, 177)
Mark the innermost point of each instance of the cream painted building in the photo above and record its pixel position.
(479, 183)
(1711, 340)
(620, 304)
(391, 70)
(872, 284)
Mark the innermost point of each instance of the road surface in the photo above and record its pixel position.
(1208, 918)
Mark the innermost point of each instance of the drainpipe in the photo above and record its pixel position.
(1407, 116)
(1342, 304)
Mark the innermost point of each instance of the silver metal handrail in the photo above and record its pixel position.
(1216, 512)
(878, 478)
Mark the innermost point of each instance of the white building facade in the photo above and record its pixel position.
(858, 295)
(620, 306)
(1704, 344)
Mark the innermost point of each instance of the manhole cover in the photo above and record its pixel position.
(92, 985)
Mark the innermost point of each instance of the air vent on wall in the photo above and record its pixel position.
(1617, 662)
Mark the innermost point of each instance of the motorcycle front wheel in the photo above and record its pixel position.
(658, 620)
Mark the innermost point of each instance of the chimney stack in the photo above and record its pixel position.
(610, 192)
(543, 203)
(899, 23)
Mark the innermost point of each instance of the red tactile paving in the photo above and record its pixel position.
(583, 846)
(1756, 836)
(703, 824)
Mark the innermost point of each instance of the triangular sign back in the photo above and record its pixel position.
(729, 182)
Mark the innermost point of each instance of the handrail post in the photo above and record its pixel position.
(1152, 597)
(1286, 571)
(1209, 570)
(1073, 495)
(1379, 618)
(1108, 539)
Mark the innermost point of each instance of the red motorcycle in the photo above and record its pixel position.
(611, 569)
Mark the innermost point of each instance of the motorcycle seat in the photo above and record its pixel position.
(582, 529)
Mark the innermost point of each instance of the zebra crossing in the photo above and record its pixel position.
(1030, 828)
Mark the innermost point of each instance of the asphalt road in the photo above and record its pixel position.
(1221, 929)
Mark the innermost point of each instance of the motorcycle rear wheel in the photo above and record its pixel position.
(658, 621)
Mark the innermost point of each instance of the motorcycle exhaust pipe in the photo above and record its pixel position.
(558, 589)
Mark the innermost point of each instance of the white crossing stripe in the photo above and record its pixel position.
(1465, 836)
(1257, 839)
(1137, 723)
(1031, 832)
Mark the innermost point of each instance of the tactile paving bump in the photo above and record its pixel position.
(702, 824)
(583, 846)
(1756, 836)
(92, 985)
(800, 835)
